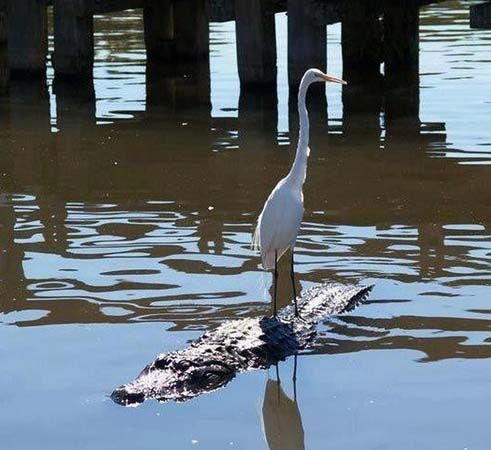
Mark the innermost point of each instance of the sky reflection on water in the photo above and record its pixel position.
(125, 231)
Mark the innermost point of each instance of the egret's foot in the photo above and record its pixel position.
(298, 316)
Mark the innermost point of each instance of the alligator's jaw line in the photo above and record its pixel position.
(236, 346)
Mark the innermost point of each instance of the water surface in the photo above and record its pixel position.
(125, 220)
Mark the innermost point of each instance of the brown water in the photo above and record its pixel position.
(126, 217)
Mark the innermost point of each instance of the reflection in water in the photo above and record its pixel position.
(447, 337)
(149, 218)
(282, 421)
(181, 90)
(133, 199)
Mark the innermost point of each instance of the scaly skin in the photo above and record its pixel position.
(236, 346)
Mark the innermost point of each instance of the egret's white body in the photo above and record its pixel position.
(279, 222)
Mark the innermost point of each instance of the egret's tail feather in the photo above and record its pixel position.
(256, 239)
(268, 260)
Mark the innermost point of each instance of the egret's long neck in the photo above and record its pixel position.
(298, 171)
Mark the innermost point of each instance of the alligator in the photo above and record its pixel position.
(212, 360)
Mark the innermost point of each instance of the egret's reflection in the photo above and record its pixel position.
(282, 421)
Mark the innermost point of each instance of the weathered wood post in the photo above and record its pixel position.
(307, 47)
(3, 22)
(4, 63)
(256, 42)
(74, 38)
(307, 40)
(176, 30)
(361, 40)
(480, 15)
(178, 71)
(158, 19)
(362, 46)
(401, 37)
(27, 37)
(191, 29)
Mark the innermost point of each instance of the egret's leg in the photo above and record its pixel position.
(295, 378)
(292, 274)
(275, 282)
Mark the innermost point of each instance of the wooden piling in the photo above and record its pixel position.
(176, 30)
(4, 69)
(27, 37)
(158, 18)
(362, 45)
(191, 29)
(3, 21)
(307, 40)
(361, 40)
(401, 38)
(480, 15)
(4, 63)
(256, 42)
(74, 39)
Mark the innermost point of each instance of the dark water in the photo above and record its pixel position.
(125, 230)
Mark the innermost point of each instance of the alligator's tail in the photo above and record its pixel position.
(328, 299)
(357, 299)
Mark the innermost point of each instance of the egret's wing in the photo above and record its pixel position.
(265, 233)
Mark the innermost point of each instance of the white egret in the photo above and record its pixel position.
(279, 222)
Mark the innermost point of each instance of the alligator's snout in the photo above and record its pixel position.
(122, 397)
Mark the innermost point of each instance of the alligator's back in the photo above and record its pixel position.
(213, 360)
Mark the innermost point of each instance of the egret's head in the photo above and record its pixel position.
(318, 75)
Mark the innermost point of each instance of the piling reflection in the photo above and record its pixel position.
(182, 89)
(258, 119)
(149, 219)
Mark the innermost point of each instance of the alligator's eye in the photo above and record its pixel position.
(210, 377)
(182, 365)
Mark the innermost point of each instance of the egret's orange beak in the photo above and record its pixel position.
(333, 79)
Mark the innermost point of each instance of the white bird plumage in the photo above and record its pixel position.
(279, 222)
